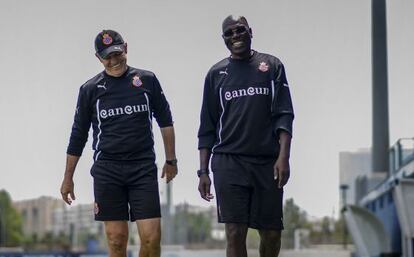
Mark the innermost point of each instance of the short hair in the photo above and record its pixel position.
(232, 19)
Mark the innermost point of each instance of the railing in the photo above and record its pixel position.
(401, 153)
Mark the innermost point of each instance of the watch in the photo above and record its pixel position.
(172, 162)
(202, 171)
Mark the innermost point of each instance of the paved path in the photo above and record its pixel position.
(221, 253)
(315, 253)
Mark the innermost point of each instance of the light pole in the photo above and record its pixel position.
(168, 217)
(380, 121)
(344, 188)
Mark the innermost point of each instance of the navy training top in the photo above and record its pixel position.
(245, 104)
(120, 110)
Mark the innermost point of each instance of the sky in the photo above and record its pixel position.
(46, 54)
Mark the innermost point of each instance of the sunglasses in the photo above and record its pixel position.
(235, 31)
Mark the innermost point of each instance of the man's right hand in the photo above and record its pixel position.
(67, 191)
(204, 187)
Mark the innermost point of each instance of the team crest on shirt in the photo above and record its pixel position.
(136, 81)
(263, 67)
(106, 39)
(96, 208)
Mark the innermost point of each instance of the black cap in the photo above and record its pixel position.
(108, 41)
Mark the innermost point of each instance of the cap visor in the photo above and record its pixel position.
(112, 49)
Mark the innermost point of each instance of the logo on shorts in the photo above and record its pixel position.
(106, 39)
(136, 81)
(263, 67)
(96, 209)
(219, 211)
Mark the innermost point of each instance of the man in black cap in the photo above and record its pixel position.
(246, 124)
(120, 102)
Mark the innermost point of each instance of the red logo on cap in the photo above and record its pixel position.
(106, 39)
(136, 81)
(263, 67)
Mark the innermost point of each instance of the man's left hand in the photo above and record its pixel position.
(281, 171)
(169, 171)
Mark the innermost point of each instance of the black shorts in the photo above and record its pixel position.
(247, 192)
(125, 190)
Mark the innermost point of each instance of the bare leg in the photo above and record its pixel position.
(236, 239)
(117, 237)
(269, 243)
(150, 234)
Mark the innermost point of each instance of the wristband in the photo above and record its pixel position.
(202, 171)
(172, 162)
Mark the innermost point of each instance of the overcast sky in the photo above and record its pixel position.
(46, 54)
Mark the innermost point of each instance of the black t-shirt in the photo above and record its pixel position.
(245, 104)
(120, 110)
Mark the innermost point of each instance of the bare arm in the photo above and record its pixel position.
(205, 182)
(285, 142)
(204, 158)
(168, 136)
(282, 167)
(67, 187)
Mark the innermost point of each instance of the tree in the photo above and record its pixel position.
(253, 239)
(341, 231)
(11, 233)
(191, 228)
(293, 218)
(49, 242)
(199, 227)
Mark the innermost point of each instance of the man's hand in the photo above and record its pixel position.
(204, 187)
(281, 168)
(282, 171)
(68, 194)
(168, 136)
(169, 171)
(66, 189)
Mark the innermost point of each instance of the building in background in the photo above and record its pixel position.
(354, 168)
(78, 223)
(77, 218)
(37, 214)
(48, 217)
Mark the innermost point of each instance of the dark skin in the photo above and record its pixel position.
(237, 36)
